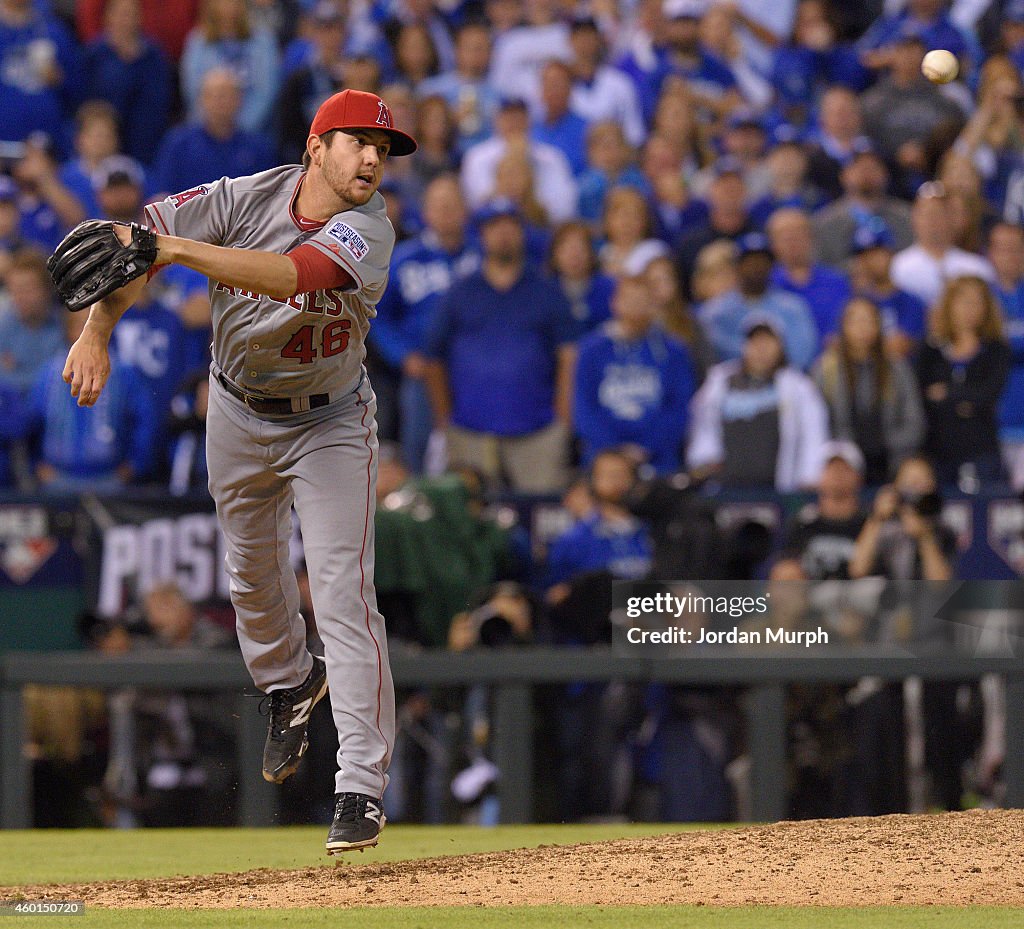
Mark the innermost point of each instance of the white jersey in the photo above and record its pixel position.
(312, 343)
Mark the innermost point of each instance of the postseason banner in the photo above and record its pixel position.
(136, 544)
(671, 619)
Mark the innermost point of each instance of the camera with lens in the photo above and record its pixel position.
(927, 506)
(505, 615)
(689, 542)
(492, 628)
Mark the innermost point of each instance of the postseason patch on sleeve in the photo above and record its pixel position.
(349, 239)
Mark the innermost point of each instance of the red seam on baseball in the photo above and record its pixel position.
(362, 584)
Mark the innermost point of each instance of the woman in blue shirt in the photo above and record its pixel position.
(572, 260)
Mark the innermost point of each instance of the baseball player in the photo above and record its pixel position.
(297, 259)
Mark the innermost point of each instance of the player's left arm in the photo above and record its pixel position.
(268, 273)
(88, 363)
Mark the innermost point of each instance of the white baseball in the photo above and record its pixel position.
(940, 66)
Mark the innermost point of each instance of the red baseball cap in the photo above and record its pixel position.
(357, 109)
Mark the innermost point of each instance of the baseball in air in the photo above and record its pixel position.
(940, 66)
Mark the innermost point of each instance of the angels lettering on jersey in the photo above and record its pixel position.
(312, 342)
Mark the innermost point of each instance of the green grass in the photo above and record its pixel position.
(46, 856)
(546, 917)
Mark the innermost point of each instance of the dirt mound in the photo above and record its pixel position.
(952, 859)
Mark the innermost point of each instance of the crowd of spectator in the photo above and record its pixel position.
(702, 242)
(611, 201)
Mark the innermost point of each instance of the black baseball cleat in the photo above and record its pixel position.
(289, 718)
(358, 820)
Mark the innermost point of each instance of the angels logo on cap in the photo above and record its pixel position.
(357, 109)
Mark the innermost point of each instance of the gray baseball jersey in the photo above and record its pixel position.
(322, 461)
(312, 343)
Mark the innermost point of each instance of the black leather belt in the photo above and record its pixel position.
(279, 406)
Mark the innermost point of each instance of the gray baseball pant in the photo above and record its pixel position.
(325, 463)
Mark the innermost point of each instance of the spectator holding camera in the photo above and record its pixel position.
(48, 208)
(757, 422)
(903, 539)
(502, 614)
(873, 399)
(184, 765)
(962, 371)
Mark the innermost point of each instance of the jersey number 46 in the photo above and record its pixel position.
(333, 341)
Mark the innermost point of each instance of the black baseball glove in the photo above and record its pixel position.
(91, 263)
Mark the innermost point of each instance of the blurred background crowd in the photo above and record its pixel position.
(645, 248)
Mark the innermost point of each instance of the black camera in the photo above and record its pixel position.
(498, 623)
(927, 506)
(689, 544)
(492, 628)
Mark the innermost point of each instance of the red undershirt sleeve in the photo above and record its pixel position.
(316, 271)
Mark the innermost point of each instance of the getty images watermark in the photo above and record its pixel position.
(663, 619)
(674, 607)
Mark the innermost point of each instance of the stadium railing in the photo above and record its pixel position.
(513, 675)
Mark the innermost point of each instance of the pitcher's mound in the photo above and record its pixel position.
(954, 859)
